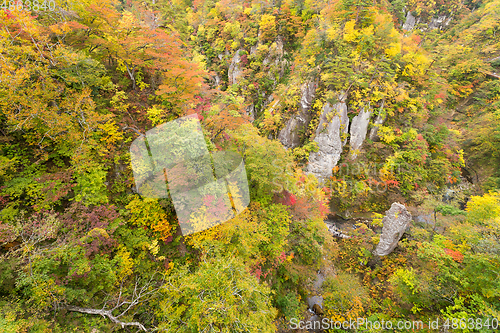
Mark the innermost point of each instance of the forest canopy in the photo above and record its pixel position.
(338, 109)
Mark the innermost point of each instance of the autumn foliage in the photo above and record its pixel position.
(82, 250)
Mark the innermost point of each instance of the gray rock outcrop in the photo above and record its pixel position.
(410, 22)
(358, 130)
(275, 57)
(395, 222)
(250, 111)
(332, 125)
(337, 232)
(280, 59)
(424, 219)
(235, 71)
(311, 301)
(275, 64)
(289, 135)
(379, 120)
(308, 94)
(217, 80)
(439, 22)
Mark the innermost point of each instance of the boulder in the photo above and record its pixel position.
(359, 127)
(449, 195)
(313, 324)
(317, 310)
(424, 219)
(333, 123)
(336, 232)
(395, 222)
(315, 300)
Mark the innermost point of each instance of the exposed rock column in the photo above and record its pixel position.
(289, 135)
(395, 221)
(439, 22)
(234, 71)
(333, 123)
(275, 64)
(410, 22)
(379, 120)
(359, 127)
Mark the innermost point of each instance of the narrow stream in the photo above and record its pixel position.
(339, 228)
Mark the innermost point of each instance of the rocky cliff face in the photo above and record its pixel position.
(289, 135)
(332, 127)
(410, 22)
(358, 130)
(275, 64)
(379, 120)
(395, 222)
(235, 70)
(439, 22)
(276, 56)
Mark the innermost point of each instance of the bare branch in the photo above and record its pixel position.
(142, 292)
(133, 129)
(494, 59)
(106, 313)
